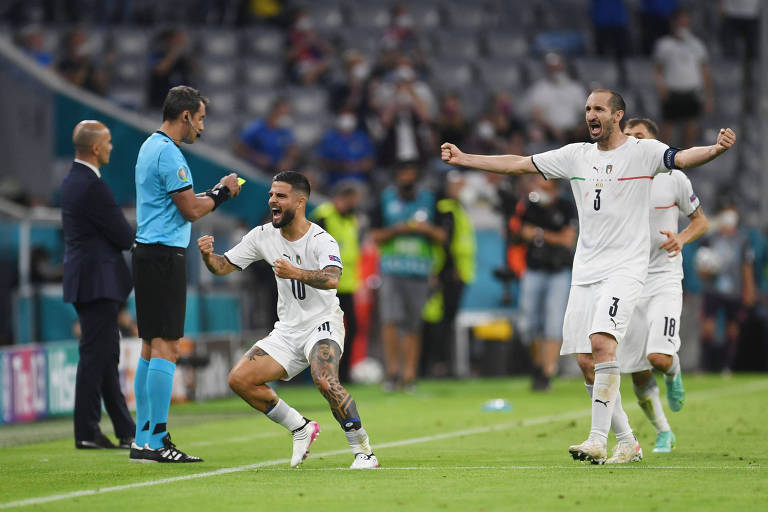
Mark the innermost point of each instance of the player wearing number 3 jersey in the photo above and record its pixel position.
(611, 180)
(310, 326)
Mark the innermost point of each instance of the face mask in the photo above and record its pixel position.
(361, 71)
(346, 123)
(540, 197)
(485, 130)
(729, 219)
(405, 73)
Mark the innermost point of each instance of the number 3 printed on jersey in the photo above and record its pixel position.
(597, 199)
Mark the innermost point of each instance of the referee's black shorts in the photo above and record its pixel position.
(160, 281)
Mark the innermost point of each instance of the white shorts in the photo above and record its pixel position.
(291, 347)
(655, 325)
(605, 306)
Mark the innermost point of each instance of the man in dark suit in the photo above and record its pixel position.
(97, 282)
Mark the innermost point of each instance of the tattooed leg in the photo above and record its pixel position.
(324, 366)
(249, 377)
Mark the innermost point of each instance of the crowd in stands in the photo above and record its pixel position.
(348, 90)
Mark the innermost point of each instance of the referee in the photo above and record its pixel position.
(166, 205)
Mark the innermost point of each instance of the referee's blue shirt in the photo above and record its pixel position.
(161, 170)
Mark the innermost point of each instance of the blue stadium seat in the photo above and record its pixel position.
(218, 43)
(257, 101)
(449, 74)
(128, 41)
(308, 101)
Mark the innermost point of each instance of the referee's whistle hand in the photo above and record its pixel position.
(230, 181)
(205, 244)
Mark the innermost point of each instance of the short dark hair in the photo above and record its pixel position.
(652, 127)
(181, 98)
(296, 180)
(616, 102)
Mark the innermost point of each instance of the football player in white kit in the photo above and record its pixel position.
(653, 336)
(310, 326)
(611, 180)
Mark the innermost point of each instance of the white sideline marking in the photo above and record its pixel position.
(538, 468)
(757, 386)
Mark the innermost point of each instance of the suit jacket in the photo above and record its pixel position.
(95, 234)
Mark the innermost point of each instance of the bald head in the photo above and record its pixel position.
(92, 142)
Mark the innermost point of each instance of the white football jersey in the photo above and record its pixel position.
(612, 194)
(671, 194)
(298, 304)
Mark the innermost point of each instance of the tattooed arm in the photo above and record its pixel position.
(216, 263)
(323, 279)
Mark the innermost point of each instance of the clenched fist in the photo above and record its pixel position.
(450, 154)
(284, 268)
(205, 244)
(725, 140)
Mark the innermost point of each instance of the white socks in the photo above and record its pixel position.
(605, 392)
(619, 420)
(286, 415)
(650, 403)
(358, 441)
(674, 369)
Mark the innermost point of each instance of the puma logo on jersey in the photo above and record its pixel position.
(601, 402)
(614, 323)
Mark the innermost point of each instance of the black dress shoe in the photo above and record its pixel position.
(99, 442)
(124, 443)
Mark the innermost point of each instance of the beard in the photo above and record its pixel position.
(287, 217)
(605, 132)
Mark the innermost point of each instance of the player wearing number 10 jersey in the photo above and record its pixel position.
(611, 180)
(310, 327)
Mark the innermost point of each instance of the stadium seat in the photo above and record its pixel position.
(469, 16)
(327, 17)
(640, 71)
(218, 74)
(457, 45)
(258, 101)
(308, 130)
(262, 72)
(131, 42)
(218, 43)
(369, 15)
(130, 70)
(506, 45)
(426, 15)
(222, 103)
(219, 131)
(500, 74)
(264, 41)
(366, 40)
(595, 72)
(450, 74)
(308, 101)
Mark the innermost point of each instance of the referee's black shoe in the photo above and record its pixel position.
(168, 453)
(99, 442)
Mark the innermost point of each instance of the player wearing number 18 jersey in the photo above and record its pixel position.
(653, 337)
(310, 329)
(611, 181)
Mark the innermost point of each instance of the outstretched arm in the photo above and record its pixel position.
(216, 263)
(699, 155)
(499, 164)
(323, 279)
(697, 227)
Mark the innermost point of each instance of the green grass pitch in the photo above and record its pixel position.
(438, 448)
